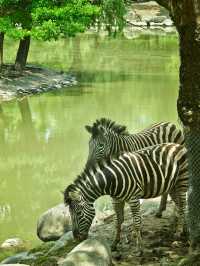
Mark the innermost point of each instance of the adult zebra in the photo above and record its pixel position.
(147, 173)
(110, 139)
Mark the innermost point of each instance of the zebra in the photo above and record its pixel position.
(110, 139)
(131, 176)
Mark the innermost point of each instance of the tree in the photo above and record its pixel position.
(186, 16)
(1, 48)
(112, 15)
(44, 20)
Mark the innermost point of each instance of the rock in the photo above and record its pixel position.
(12, 242)
(157, 19)
(91, 252)
(67, 240)
(15, 258)
(23, 257)
(54, 223)
(168, 22)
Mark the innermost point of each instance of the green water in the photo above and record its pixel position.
(42, 138)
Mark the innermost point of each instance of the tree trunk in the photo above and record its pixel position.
(186, 16)
(22, 53)
(188, 106)
(1, 48)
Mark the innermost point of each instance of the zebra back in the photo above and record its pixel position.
(152, 171)
(110, 139)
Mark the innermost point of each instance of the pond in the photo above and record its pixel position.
(43, 143)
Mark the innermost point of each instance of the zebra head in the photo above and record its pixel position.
(81, 212)
(99, 144)
(104, 133)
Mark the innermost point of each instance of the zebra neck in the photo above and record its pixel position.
(94, 184)
(121, 143)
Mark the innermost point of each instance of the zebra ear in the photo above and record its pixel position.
(89, 129)
(75, 195)
(101, 130)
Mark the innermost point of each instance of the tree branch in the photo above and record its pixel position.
(165, 3)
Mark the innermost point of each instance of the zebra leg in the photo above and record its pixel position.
(135, 209)
(118, 207)
(179, 198)
(162, 206)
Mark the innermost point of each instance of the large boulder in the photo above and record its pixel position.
(54, 223)
(91, 252)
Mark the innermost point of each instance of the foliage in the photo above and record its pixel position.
(45, 19)
(112, 15)
(191, 260)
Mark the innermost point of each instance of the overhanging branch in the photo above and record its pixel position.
(165, 3)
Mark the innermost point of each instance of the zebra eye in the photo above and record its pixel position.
(101, 145)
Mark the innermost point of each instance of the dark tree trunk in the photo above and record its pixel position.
(1, 48)
(186, 16)
(188, 105)
(22, 53)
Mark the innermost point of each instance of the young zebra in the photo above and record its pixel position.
(110, 139)
(144, 174)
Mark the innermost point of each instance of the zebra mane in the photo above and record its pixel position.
(88, 169)
(107, 124)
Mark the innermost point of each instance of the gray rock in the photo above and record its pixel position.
(67, 240)
(91, 252)
(54, 223)
(12, 242)
(15, 258)
(158, 19)
(21, 257)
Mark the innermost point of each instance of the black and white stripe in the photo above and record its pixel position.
(110, 139)
(144, 174)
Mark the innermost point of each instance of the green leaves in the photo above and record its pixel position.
(112, 15)
(51, 19)
(45, 19)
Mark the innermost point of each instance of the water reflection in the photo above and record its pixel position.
(42, 138)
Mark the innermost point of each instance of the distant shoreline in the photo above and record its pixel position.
(33, 80)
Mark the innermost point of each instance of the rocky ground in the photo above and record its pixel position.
(33, 80)
(147, 18)
(161, 248)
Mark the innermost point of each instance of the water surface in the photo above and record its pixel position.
(43, 143)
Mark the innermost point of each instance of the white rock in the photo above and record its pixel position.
(54, 223)
(12, 242)
(91, 252)
(168, 22)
